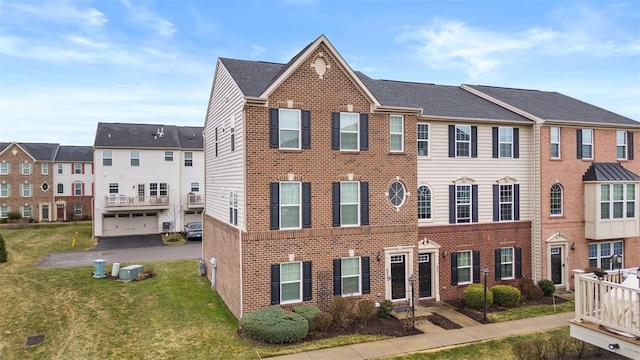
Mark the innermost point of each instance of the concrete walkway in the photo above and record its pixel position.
(436, 340)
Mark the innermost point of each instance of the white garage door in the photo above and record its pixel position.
(129, 224)
(192, 216)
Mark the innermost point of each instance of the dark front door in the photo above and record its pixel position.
(60, 212)
(556, 265)
(45, 212)
(398, 277)
(424, 271)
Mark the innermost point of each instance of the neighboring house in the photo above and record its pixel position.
(26, 180)
(323, 182)
(73, 182)
(587, 180)
(148, 178)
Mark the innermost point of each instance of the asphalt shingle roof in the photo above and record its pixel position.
(75, 153)
(253, 77)
(554, 106)
(146, 136)
(608, 172)
(39, 151)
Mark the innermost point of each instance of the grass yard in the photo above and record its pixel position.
(172, 315)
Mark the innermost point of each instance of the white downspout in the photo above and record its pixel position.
(241, 274)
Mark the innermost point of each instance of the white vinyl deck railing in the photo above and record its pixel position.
(612, 300)
(120, 200)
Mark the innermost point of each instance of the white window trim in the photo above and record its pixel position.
(561, 200)
(599, 255)
(107, 155)
(26, 166)
(428, 204)
(188, 156)
(625, 200)
(299, 205)
(463, 141)
(342, 203)
(500, 202)
(470, 267)
(24, 215)
(512, 263)
(233, 206)
(6, 210)
(44, 169)
(623, 145)
(75, 184)
(358, 276)
(8, 190)
(75, 209)
(114, 186)
(584, 131)
(168, 156)
(60, 169)
(470, 204)
(552, 142)
(350, 132)
(26, 188)
(427, 140)
(500, 143)
(5, 168)
(392, 133)
(135, 158)
(299, 299)
(197, 186)
(298, 129)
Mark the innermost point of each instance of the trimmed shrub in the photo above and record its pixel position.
(531, 350)
(307, 311)
(274, 325)
(14, 215)
(505, 295)
(3, 250)
(366, 311)
(342, 310)
(322, 321)
(547, 286)
(474, 297)
(385, 309)
(529, 291)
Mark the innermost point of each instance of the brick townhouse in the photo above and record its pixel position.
(321, 181)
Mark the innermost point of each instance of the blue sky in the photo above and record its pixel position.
(66, 65)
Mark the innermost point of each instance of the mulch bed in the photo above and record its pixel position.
(479, 316)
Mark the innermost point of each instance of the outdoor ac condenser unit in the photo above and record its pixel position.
(130, 272)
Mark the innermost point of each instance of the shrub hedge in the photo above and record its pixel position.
(474, 296)
(506, 295)
(307, 311)
(547, 286)
(3, 250)
(274, 325)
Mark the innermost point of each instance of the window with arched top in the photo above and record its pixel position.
(556, 200)
(60, 189)
(424, 203)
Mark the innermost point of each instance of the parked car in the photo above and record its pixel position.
(193, 230)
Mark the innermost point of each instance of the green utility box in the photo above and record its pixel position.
(130, 272)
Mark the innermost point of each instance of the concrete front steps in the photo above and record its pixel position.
(440, 308)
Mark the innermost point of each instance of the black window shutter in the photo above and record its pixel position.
(216, 148)
(452, 204)
(235, 216)
(365, 275)
(306, 129)
(579, 142)
(335, 203)
(474, 141)
(516, 143)
(496, 202)
(364, 203)
(494, 142)
(364, 131)
(474, 203)
(231, 215)
(630, 145)
(476, 266)
(275, 206)
(516, 201)
(498, 263)
(335, 131)
(518, 256)
(275, 284)
(306, 205)
(306, 281)
(274, 129)
(452, 141)
(337, 277)
(454, 268)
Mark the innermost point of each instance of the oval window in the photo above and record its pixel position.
(45, 187)
(397, 193)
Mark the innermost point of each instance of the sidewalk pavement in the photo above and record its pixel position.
(437, 340)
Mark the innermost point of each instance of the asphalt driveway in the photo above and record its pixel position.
(124, 249)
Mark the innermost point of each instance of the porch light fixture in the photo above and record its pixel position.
(444, 254)
(573, 247)
(614, 347)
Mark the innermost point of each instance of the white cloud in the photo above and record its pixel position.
(256, 51)
(56, 11)
(145, 17)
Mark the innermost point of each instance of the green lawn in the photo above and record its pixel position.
(172, 315)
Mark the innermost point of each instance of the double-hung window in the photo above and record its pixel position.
(114, 188)
(506, 202)
(423, 139)
(585, 143)
(45, 169)
(77, 209)
(195, 187)
(621, 144)
(60, 167)
(107, 158)
(164, 189)
(600, 254)
(135, 158)
(26, 211)
(5, 168)
(168, 156)
(505, 142)
(554, 138)
(350, 276)
(424, 202)
(77, 168)
(463, 203)
(463, 141)
(556, 200)
(290, 205)
(26, 189)
(4, 211)
(349, 131)
(464, 267)
(289, 128)
(349, 203)
(153, 189)
(396, 133)
(233, 207)
(290, 282)
(26, 168)
(77, 189)
(506, 263)
(188, 158)
(4, 190)
(617, 201)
